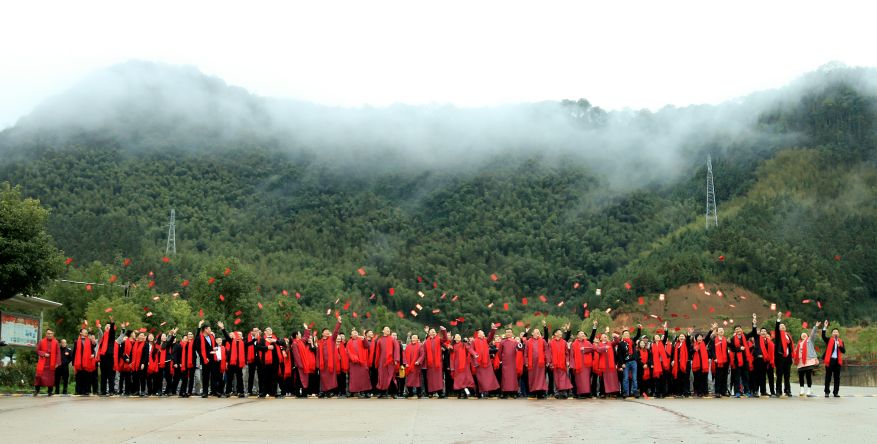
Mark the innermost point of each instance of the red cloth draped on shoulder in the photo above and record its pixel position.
(105, 346)
(581, 359)
(433, 352)
(412, 353)
(137, 355)
(187, 355)
(83, 360)
(308, 361)
(680, 357)
(721, 347)
(767, 349)
(344, 358)
(45, 374)
(558, 350)
(461, 358)
(536, 353)
(700, 360)
(236, 356)
(830, 347)
(357, 352)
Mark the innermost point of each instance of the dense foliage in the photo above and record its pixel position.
(259, 225)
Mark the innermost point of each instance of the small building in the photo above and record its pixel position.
(21, 320)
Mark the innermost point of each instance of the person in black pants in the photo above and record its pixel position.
(236, 349)
(763, 373)
(783, 344)
(62, 373)
(834, 358)
(204, 344)
(252, 359)
(269, 348)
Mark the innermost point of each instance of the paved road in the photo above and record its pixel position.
(153, 420)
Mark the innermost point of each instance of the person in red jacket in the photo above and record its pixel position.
(833, 359)
(357, 353)
(343, 365)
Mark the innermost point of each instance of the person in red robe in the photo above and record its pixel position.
(483, 367)
(343, 365)
(605, 367)
(511, 362)
(412, 360)
(559, 365)
(358, 352)
(387, 358)
(461, 370)
(49, 354)
(537, 358)
(305, 363)
(327, 357)
(432, 350)
(83, 362)
(581, 361)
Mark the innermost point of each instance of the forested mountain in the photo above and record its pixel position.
(474, 208)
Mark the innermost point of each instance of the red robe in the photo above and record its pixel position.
(357, 353)
(327, 359)
(386, 357)
(413, 358)
(581, 360)
(605, 367)
(460, 366)
(303, 360)
(511, 361)
(432, 350)
(49, 352)
(483, 367)
(537, 358)
(559, 358)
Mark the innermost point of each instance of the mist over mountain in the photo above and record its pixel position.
(438, 198)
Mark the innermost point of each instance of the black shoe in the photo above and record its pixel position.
(262, 396)
(836, 395)
(205, 396)
(382, 397)
(826, 395)
(241, 396)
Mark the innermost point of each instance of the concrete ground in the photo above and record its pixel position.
(160, 420)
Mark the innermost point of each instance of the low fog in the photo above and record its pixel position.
(143, 105)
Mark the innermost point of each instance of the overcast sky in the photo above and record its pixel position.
(617, 54)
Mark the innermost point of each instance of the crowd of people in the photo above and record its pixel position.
(529, 364)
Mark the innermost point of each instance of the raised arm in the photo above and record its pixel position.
(492, 333)
(639, 332)
(824, 328)
(337, 329)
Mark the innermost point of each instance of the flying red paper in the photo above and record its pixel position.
(142, 329)
(804, 324)
(238, 313)
(68, 261)
(165, 259)
(543, 298)
(237, 321)
(819, 304)
(788, 313)
(576, 285)
(712, 310)
(151, 284)
(627, 286)
(227, 271)
(361, 271)
(210, 281)
(805, 301)
(419, 279)
(694, 306)
(108, 310)
(721, 258)
(185, 283)
(222, 298)
(494, 277)
(453, 323)
(454, 299)
(297, 295)
(355, 315)
(524, 301)
(436, 311)
(400, 314)
(346, 305)
(392, 291)
(434, 284)
(126, 262)
(587, 313)
(505, 306)
(284, 292)
(368, 314)
(201, 313)
(519, 323)
(642, 300)
(113, 278)
(461, 319)
(837, 257)
(259, 304)
(88, 287)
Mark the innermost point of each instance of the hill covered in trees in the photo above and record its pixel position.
(289, 209)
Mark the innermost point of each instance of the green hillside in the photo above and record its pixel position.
(795, 178)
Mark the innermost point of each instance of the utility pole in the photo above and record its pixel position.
(712, 214)
(171, 247)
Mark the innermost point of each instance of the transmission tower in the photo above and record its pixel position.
(712, 215)
(171, 235)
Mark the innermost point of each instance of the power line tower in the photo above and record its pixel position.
(171, 247)
(712, 215)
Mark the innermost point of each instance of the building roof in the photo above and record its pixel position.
(21, 301)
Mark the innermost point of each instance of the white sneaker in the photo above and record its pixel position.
(802, 391)
(809, 393)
